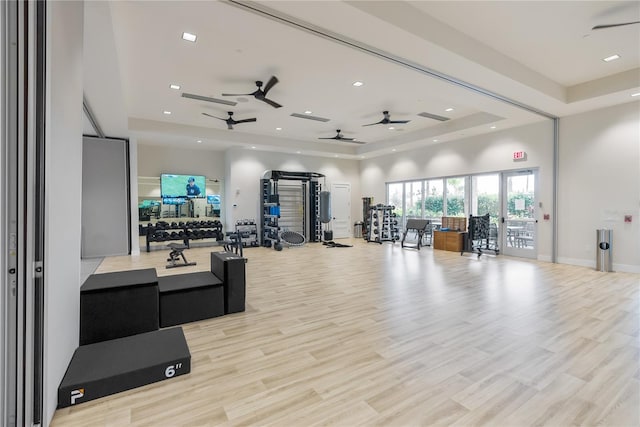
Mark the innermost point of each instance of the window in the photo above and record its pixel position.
(485, 196)
(395, 194)
(455, 196)
(413, 199)
(434, 199)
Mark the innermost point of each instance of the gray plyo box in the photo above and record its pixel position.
(109, 367)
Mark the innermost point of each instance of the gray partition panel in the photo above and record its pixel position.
(105, 197)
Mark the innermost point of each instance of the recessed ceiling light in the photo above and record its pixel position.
(298, 152)
(492, 127)
(611, 58)
(335, 155)
(391, 128)
(393, 150)
(357, 84)
(362, 157)
(253, 147)
(199, 141)
(176, 87)
(449, 109)
(189, 37)
(308, 112)
(635, 94)
(167, 112)
(278, 128)
(435, 140)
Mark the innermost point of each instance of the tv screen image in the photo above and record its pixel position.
(173, 200)
(175, 185)
(213, 199)
(148, 203)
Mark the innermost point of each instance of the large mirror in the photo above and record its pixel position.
(152, 209)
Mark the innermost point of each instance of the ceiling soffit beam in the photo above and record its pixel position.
(338, 38)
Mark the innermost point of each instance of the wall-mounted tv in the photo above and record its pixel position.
(174, 185)
(148, 203)
(173, 200)
(213, 199)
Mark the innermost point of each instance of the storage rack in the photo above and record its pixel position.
(315, 188)
(478, 237)
(366, 207)
(383, 224)
(248, 230)
(163, 231)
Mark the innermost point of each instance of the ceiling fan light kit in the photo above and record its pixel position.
(386, 120)
(340, 137)
(230, 120)
(260, 94)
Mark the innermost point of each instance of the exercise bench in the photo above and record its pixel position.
(175, 255)
(419, 226)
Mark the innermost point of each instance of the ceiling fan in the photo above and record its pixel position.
(340, 137)
(230, 121)
(260, 94)
(602, 27)
(387, 121)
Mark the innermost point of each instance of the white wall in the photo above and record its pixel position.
(486, 153)
(63, 193)
(244, 169)
(133, 194)
(155, 160)
(599, 184)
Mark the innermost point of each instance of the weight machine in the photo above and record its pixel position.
(293, 205)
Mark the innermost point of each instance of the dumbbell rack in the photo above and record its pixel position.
(248, 230)
(383, 224)
(191, 230)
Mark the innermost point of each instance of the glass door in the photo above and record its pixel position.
(519, 223)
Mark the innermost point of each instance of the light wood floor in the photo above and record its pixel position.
(378, 335)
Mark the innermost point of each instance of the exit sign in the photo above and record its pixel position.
(519, 155)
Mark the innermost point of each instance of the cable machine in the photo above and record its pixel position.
(293, 205)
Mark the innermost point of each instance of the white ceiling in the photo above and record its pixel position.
(542, 54)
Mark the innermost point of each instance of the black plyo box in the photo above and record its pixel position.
(108, 367)
(190, 297)
(118, 304)
(230, 268)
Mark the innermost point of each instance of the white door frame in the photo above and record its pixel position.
(509, 247)
(341, 232)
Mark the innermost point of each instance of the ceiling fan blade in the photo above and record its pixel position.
(209, 115)
(342, 138)
(371, 124)
(333, 137)
(208, 99)
(602, 27)
(353, 141)
(272, 103)
(399, 121)
(237, 94)
(245, 121)
(271, 83)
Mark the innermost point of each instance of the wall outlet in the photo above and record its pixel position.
(546, 217)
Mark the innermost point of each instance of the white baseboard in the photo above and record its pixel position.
(624, 268)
